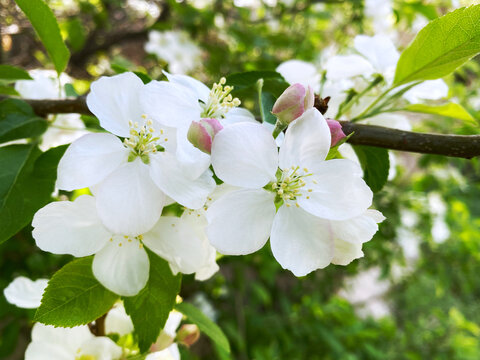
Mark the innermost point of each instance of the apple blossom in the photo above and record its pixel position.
(176, 48)
(25, 293)
(120, 263)
(308, 191)
(293, 102)
(182, 100)
(58, 343)
(64, 128)
(129, 178)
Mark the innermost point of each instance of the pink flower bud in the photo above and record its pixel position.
(336, 131)
(188, 334)
(201, 133)
(293, 103)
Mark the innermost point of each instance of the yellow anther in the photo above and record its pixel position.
(305, 169)
(120, 244)
(296, 204)
(125, 236)
(310, 190)
(144, 116)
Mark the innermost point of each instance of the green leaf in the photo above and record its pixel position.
(266, 107)
(12, 73)
(250, 78)
(452, 110)
(441, 46)
(149, 309)
(74, 296)
(18, 121)
(375, 165)
(205, 325)
(26, 184)
(75, 33)
(273, 82)
(8, 90)
(46, 26)
(119, 69)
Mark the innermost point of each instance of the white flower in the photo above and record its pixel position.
(164, 348)
(45, 85)
(25, 293)
(180, 101)
(120, 263)
(183, 243)
(56, 343)
(308, 190)
(117, 321)
(347, 66)
(64, 128)
(129, 179)
(350, 234)
(302, 72)
(176, 48)
(427, 90)
(380, 51)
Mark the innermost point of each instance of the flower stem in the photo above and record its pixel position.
(279, 127)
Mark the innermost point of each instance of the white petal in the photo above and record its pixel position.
(47, 351)
(57, 343)
(89, 160)
(245, 155)
(25, 293)
(192, 161)
(170, 353)
(100, 348)
(239, 223)
(238, 115)
(427, 90)
(297, 71)
(66, 227)
(173, 322)
(168, 175)
(346, 66)
(301, 242)
(170, 104)
(122, 266)
(128, 201)
(181, 244)
(339, 192)
(115, 101)
(270, 127)
(379, 50)
(118, 322)
(200, 89)
(359, 229)
(307, 141)
(345, 252)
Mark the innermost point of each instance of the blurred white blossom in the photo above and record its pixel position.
(176, 48)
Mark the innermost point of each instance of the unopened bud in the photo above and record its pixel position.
(201, 133)
(336, 131)
(294, 101)
(188, 334)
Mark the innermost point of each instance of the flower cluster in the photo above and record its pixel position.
(162, 141)
(79, 343)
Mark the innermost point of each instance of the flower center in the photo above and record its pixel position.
(290, 185)
(220, 101)
(121, 240)
(142, 141)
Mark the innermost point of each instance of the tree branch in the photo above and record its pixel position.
(462, 146)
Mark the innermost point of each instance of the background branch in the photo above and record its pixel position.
(462, 146)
